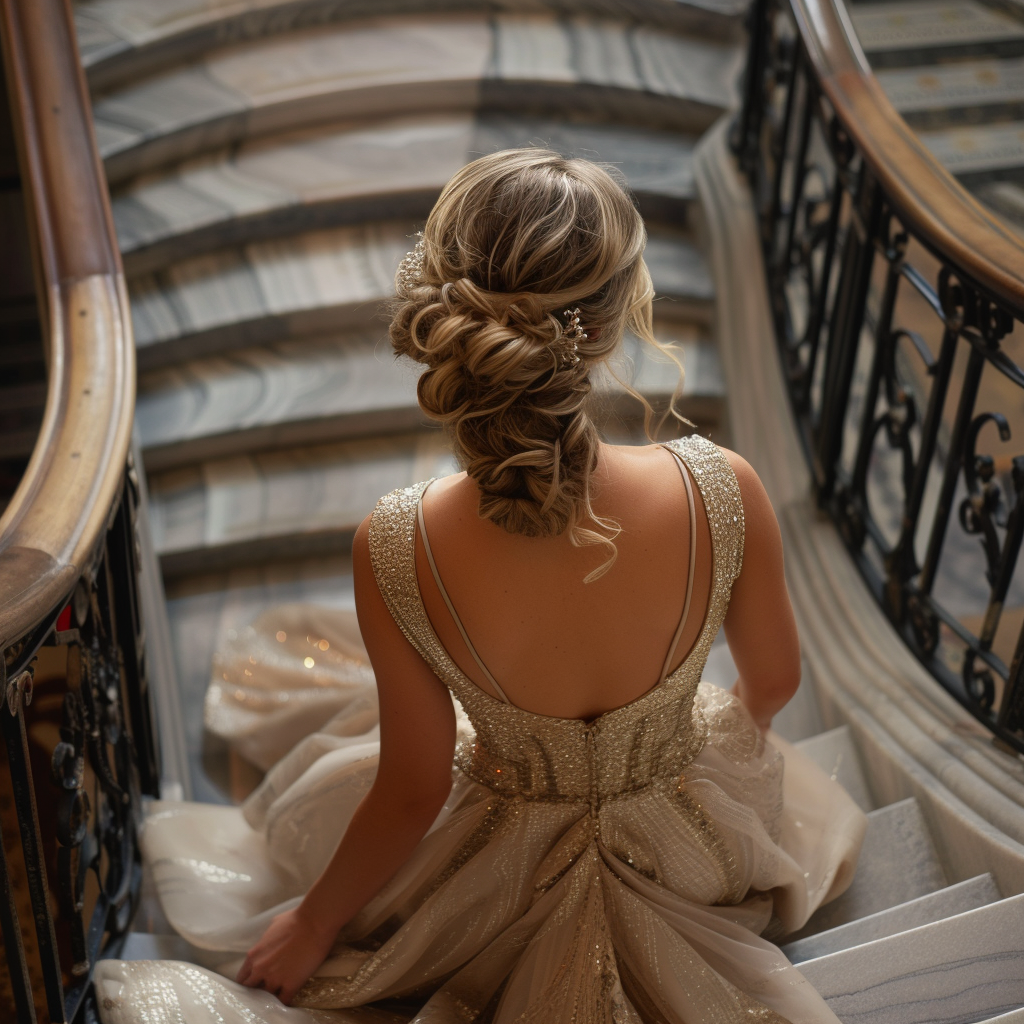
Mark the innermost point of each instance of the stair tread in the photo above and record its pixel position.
(316, 177)
(835, 753)
(1013, 1017)
(326, 388)
(955, 971)
(917, 24)
(970, 149)
(897, 834)
(316, 282)
(954, 899)
(272, 498)
(938, 87)
(298, 491)
(116, 36)
(289, 80)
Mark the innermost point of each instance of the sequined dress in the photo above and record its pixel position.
(619, 870)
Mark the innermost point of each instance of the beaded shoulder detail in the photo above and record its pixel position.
(720, 492)
(393, 557)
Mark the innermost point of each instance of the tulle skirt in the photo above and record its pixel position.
(509, 909)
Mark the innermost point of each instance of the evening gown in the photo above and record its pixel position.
(620, 870)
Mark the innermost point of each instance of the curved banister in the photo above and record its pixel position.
(941, 212)
(50, 531)
(888, 394)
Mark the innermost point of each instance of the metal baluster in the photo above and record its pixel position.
(817, 308)
(951, 472)
(844, 336)
(901, 565)
(12, 727)
(854, 512)
(10, 926)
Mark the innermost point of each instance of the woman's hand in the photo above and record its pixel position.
(291, 949)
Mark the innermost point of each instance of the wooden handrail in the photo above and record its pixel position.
(926, 196)
(50, 531)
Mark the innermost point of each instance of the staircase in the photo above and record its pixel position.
(269, 163)
(955, 72)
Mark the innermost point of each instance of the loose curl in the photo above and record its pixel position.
(516, 238)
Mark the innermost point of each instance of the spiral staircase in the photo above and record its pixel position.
(268, 162)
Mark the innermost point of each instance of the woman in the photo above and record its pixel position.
(615, 835)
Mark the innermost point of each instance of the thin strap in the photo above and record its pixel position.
(690, 571)
(448, 602)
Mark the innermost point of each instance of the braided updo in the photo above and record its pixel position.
(515, 239)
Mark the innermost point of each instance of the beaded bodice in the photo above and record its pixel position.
(519, 753)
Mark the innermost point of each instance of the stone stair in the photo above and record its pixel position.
(269, 162)
(954, 69)
(900, 945)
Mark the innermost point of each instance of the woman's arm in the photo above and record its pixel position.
(759, 625)
(414, 777)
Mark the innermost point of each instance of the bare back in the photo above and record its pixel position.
(556, 645)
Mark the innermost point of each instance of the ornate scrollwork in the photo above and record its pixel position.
(966, 308)
(67, 767)
(19, 691)
(984, 508)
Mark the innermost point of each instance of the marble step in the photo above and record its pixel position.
(387, 67)
(328, 281)
(336, 175)
(943, 903)
(965, 92)
(1013, 1017)
(835, 754)
(342, 387)
(897, 835)
(959, 970)
(905, 33)
(124, 39)
(287, 504)
(977, 154)
(300, 500)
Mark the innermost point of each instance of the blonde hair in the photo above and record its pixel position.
(515, 239)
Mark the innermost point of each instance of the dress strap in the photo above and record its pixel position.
(690, 569)
(393, 557)
(448, 601)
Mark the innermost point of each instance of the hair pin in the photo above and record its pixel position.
(410, 271)
(572, 336)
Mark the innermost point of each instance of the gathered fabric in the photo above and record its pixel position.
(619, 870)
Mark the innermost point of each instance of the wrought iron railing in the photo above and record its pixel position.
(76, 759)
(897, 304)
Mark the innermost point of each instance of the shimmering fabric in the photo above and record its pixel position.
(619, 870)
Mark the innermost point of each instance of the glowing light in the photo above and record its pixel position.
(308, 662)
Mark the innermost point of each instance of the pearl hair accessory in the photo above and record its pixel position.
(410, 270)
(572, 336)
